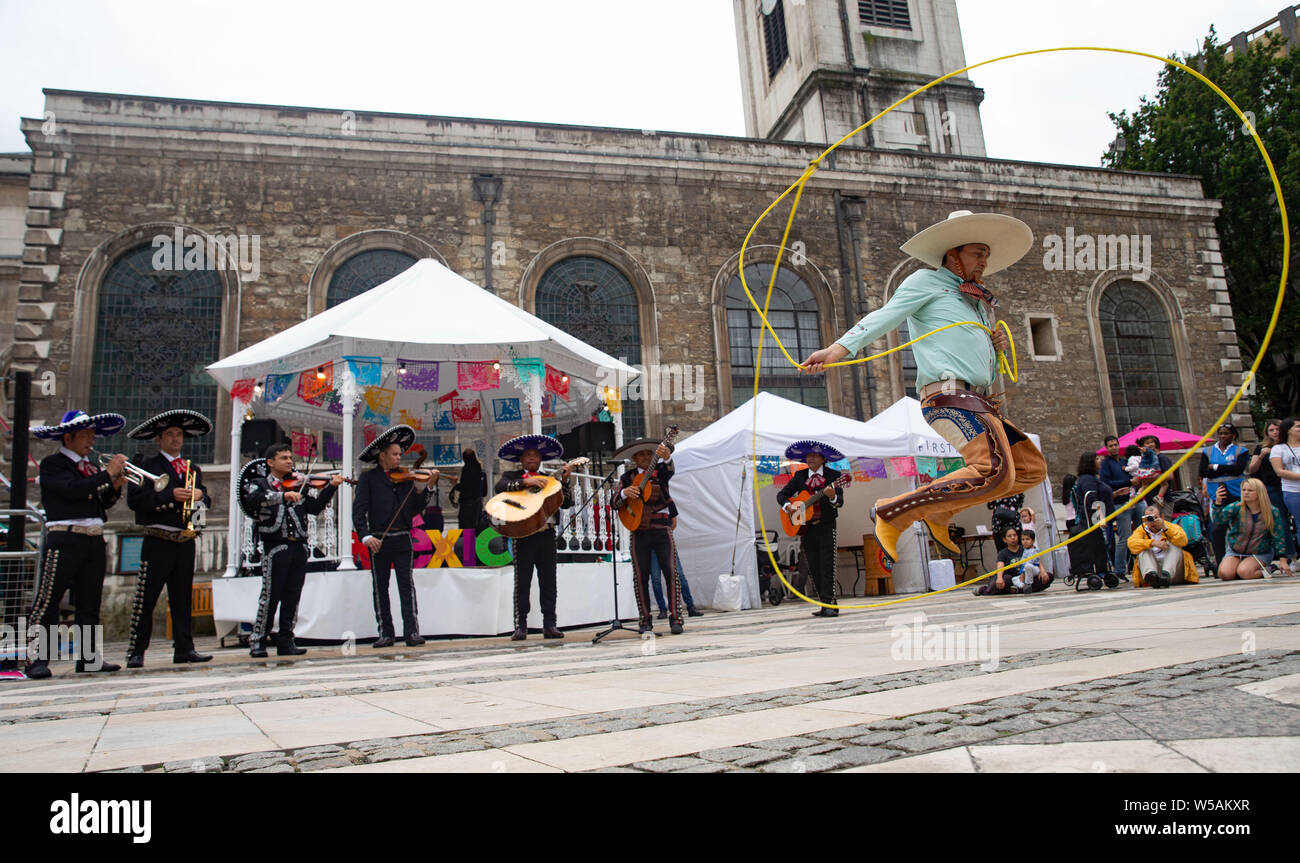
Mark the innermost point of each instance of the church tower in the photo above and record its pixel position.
(814, 70)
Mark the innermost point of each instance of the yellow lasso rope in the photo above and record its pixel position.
(1011, 370)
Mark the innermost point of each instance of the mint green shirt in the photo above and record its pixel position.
(927, 300)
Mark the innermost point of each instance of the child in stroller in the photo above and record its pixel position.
(1185, 504)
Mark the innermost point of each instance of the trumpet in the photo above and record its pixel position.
(135, 474)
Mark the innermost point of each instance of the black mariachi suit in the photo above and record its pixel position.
(73, 560)
(283, 530)
(384, 509)
(656, 538)
(817, 543)
(163, 562)
(534, 551)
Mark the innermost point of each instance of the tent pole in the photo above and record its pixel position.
(233, 538)
(535, 397)
(344, 520)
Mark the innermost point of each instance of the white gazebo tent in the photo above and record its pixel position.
(426, 314)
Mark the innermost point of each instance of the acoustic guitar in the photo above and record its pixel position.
(796, 522)
(633, 513)
(517, 514)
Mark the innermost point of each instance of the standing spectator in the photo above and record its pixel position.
(1254, 531)
(1285, 458)
(1152, 493)
(468, 492)
(1261, 468)
(1221, 467)
(1121, 486)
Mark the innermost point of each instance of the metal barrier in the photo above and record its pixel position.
(18, 574)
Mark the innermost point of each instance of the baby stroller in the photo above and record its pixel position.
(768, 584)
(1089, 566)
(1185, 504)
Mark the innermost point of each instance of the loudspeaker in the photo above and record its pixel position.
(257, 435)
(572, 443)
(596, 436)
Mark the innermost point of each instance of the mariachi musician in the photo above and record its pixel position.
(536, 550)
(382, 515)
(76, 495)
(276, 499)
(654, 535)
(817, 542)
(167, 556)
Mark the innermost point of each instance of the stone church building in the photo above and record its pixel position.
(627, 238)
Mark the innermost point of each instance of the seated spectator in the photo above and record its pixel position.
(1158, 556)
(1254, 530)
(1037, 574)
(1010, 553)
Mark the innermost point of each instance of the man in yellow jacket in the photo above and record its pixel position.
(1156, 545)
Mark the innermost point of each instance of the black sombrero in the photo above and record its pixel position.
(801, 448)
(646, 443)
(548, 446)
(192, 423)
(75, 421)
(402, 435)
(255, 468)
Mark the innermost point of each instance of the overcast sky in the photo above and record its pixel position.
(669, 65)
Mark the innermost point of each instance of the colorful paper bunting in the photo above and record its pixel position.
(444, 422)
(420, 375)
(302, 443)
(275, 388)
(414, 422)
(903, 465)
(442, 400)
(366, 371)
(557, 382)
(769, 465)
(333, 447)
(528, 368)
(477, 376)
(445, 454)
(312, 388)
(242, 391)
(506, 410)
(466, 411)
(763, 480)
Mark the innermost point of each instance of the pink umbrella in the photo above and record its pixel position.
(1170, 439)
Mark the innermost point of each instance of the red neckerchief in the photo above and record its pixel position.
(972, 288)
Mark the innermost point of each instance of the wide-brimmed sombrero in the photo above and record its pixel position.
(192, 423)
(75, 421)
(402, 435)
(548, 446)
(1008, 239)
(646, 443)
(801, 448)
(255, 468)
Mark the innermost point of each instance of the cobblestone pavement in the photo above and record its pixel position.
(1201, 678)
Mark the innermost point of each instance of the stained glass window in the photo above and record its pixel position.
(156, 331)
(1141, 366)
(793, 314)
(591, 300)
(363, 271)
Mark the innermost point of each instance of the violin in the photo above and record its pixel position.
(413, 473)
(297, 480)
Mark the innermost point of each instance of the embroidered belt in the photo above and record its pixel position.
(966, 400)
(77, 528)
(951, 386)
(169, 535)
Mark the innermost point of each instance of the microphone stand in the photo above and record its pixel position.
(616, 623)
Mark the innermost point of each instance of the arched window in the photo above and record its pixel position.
(793, 314)
(363, 271)
(155, 332)
(1140, 361)
(590, 299)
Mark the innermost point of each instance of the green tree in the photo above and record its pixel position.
(1188, 129)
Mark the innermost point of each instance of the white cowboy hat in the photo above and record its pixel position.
(1008, 239)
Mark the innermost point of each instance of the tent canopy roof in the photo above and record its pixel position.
(426, 312)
